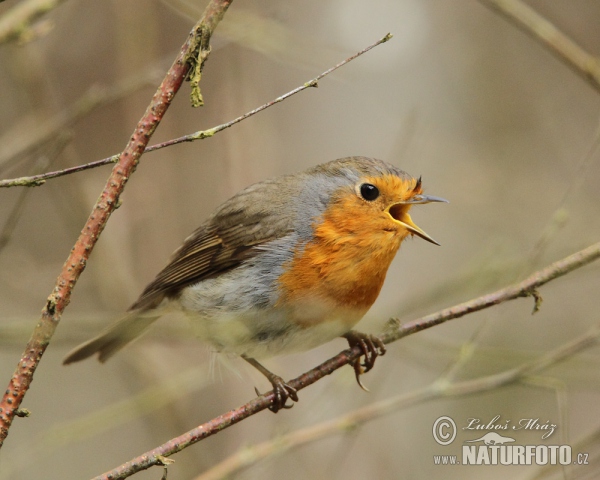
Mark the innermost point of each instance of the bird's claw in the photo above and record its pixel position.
(282, 391)
(371, 347)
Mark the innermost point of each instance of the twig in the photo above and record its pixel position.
(61, 141)
(532, 23)
(523, 289)
(36, 180)
(560, 217)
(196, 47)
(95, 97)
(61, 435)
(17, 21)
(526, 288)
(251, 455)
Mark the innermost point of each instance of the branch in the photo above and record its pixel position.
(527, 288)
(16, 23)
(523, 289)
(196, 46)
(36, 180)
(248, 456)
(532, 23)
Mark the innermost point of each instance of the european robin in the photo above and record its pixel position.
(284, 266)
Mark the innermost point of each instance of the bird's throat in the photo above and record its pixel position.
(340, 266)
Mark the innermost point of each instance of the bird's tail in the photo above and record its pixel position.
(114, 338)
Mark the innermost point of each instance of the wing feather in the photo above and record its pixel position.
(224, 241)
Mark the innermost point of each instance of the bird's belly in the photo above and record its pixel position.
(264, 333)
(238, 312)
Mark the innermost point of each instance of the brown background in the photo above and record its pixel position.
(492, 121)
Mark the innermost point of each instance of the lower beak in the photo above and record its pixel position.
(397, 213)
(412, 228)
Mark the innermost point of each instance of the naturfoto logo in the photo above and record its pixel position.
(493, 448)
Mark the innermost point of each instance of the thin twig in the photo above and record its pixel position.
(61, 141)
(523, 289)
(248, 456)
(36, 180)
(95, 97)
(532, 23)
(146, 402)
(195, 49)
(527, 288)
(560, 215)
(16, 22)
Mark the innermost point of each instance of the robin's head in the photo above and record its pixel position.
(352, 216)
(366, 196)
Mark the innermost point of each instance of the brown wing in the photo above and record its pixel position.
(223, 242)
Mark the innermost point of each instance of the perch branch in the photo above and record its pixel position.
(35, 180)
(523, 289)
(196, 46)
(248, 456)
(532, 23)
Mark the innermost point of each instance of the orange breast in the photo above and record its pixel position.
(345, 264)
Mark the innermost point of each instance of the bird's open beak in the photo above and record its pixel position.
(400, 215)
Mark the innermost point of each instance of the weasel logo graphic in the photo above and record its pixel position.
(492, 438)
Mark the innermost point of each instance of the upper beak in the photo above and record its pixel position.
(405, 219)
(420, 199)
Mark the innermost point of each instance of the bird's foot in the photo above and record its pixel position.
(371, 347)
(282, 391)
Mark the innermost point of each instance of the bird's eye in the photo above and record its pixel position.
(369, 192)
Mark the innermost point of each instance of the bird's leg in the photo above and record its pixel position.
(371, 347)
(282, 390)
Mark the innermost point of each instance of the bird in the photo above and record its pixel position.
(285, 265)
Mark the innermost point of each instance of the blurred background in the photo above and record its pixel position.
(490, 119)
